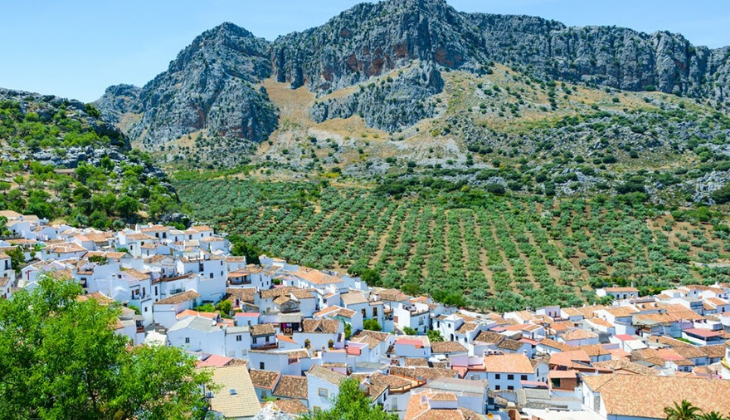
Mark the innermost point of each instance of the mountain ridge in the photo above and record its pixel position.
(212, 89)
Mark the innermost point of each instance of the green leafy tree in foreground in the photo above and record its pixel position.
(351, 404)
(61, 359)
(683, 411)
(409, 331)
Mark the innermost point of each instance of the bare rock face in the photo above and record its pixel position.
(392, 104)
(211, 85)
(373, 39)
(119, 100)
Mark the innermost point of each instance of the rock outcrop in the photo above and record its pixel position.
(394, 103)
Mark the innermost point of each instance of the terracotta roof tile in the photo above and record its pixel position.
(324, 326)
(291, 387)
(447, 347)
(512, 363)
(646, 396)
(179, 298)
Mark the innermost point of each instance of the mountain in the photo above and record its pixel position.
(385, 63)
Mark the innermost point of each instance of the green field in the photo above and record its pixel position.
(500, 253)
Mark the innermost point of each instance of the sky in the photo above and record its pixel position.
(77, 48)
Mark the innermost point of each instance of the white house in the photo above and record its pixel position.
(323, 386)
(166, 310)
(415, 316)
(510, 371)
(319, 333)
(198, 334)
(619, 293)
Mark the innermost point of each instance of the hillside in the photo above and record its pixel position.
(61, 160)
(499, 253)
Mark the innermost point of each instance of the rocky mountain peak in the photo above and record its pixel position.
(213, 85)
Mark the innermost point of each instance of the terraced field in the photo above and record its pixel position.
(500, 252)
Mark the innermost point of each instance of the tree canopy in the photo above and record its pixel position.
(352, 404)
(60, 358)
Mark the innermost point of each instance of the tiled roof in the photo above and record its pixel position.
(556, 345)
(136, 274)
(239, 403)
(325, 326)
(419, 408)
(489, 337)
(511, 363)
(264, 378)
(327, 375)
(316, 277)
(353, 298)
(690, 352)
(291, 387)
(281, 291)
(714, 351)
(179, 298)
(510, 344)
(467, 327)
(262, 329)
(622, 289)
(578, 335)
(390, 380)
(624, 365)
(647, 396)
(244, 295)
(391, 295)
(101, 298)
(594, 350)
(447, 347)
(422, 372)
(294, 407)
(416, 362)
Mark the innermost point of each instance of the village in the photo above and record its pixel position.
(280, 338)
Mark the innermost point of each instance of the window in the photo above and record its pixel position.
(375, 311)
(211, 275)
(254, 340)
(363, 313)
(187, 340)
(497, 376)
(510, 388)
(510, 377)
(497, 387)
(261, 365)
(146, 308)
(267, 338)
(239, 338)
(322, 392)
(523, 377)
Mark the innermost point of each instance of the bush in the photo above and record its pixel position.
(496, 189)
(371, 325)
(722, 195)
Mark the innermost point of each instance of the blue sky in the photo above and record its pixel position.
(76, 49)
